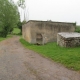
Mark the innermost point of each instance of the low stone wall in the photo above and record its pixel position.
(68, 39)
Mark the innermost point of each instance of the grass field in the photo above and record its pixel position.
(16, 31)
(69, 57)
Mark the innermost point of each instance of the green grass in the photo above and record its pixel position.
(16, 31)
(69, 57)
(1, 38)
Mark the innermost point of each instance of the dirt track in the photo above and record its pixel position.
(18, 63)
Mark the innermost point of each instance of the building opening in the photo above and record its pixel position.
(39, 39)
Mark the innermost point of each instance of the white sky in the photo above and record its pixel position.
(55, 10)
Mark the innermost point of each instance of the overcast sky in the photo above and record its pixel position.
(55, 10)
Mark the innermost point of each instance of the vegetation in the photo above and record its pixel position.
(8, 36)
(16, 31)
(20, 25)
(70, 57)
(9, 17)
(21, 3)
(77, 29)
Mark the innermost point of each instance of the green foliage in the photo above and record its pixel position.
(23, 22)
(70, 57)
(20, 25)
(77, 29)
(9, 16)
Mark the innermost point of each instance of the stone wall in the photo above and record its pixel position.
(46, 31)
(68, 39)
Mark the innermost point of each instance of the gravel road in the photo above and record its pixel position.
(18, 63)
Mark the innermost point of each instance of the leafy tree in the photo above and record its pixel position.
(20, 25)
(9, 16)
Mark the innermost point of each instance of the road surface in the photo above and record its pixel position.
(19, 63)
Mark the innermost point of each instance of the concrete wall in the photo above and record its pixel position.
(26, 32)
(47, 29)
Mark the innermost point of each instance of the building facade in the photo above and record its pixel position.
(41, 32)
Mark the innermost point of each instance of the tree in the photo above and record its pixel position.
(21, 4)
(20, 25)
(9, 16)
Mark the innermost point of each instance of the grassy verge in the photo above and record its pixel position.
(1, 38)
(69, 57)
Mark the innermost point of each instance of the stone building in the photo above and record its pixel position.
(41, 32)
(71, 39)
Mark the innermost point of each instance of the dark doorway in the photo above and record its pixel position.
(39, 38)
